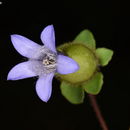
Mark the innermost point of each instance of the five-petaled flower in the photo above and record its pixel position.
(43, 61)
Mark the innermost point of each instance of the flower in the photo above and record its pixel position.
(43, 61)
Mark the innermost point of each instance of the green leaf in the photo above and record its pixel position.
(94, 85)
(73, 94)
(87, 38)
(104, 55)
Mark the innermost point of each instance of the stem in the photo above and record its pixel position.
(98, 112)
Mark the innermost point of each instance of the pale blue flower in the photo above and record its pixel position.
(43, 61)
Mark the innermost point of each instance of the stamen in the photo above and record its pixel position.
(49, 61)
(46, 61)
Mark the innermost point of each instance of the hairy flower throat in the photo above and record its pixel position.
(49, 61)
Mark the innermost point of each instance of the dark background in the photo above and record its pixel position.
(20, 108)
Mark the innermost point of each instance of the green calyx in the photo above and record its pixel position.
(84, 57)
(87, 79)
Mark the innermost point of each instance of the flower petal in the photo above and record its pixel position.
(24, 46)
(21, 71)
(66, 65)
(48, 37)
(44, 86)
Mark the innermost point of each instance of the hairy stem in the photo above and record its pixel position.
(97, 111)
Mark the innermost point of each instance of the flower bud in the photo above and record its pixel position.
(86, 59)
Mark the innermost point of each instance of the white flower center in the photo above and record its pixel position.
(49, 62)
(44, 61)
(49, 59)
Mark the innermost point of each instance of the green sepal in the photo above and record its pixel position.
(86, 37)
(104, 55)
(94, 85)
(74, 95)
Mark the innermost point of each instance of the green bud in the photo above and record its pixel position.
(86, 59)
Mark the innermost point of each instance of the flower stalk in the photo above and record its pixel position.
(97, 111)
